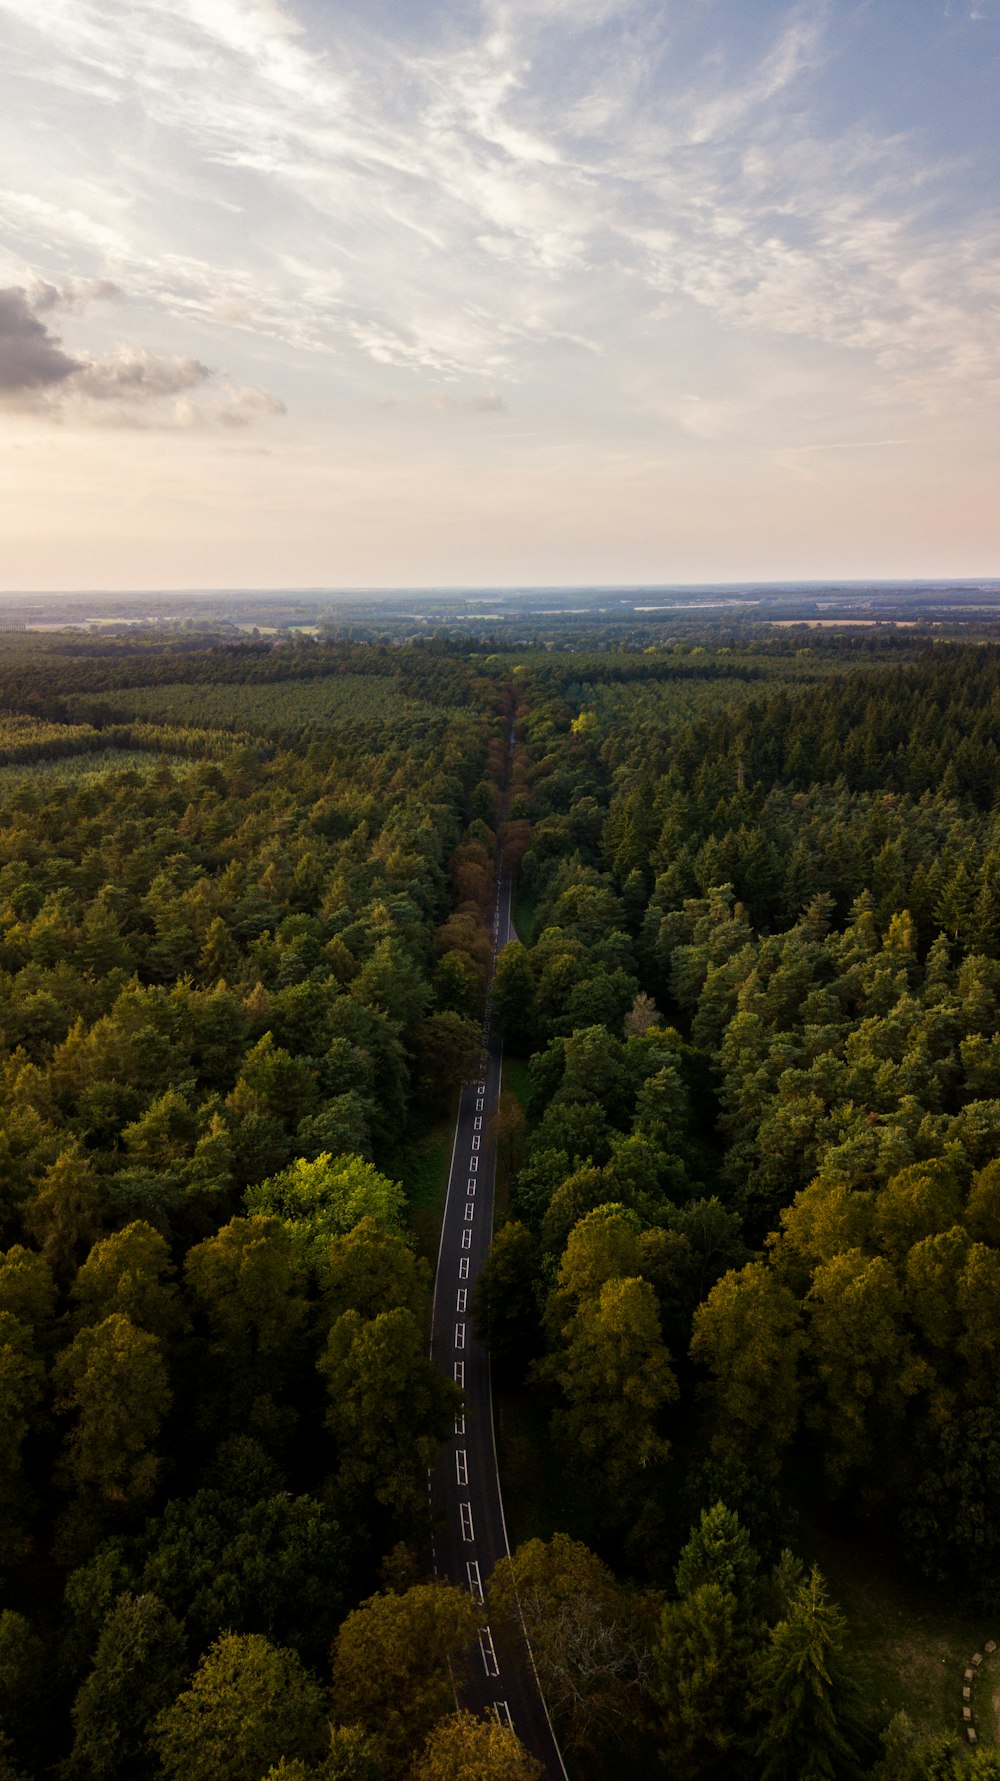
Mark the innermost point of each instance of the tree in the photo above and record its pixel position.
(341, 1127)
(130, 1272)
(273, 1084)
(448, 1046)
(588, 1635)
(112, 1379)
(977, 1297)
(642, 1016)
(249, 1704)
(22, 1387)
(372, 1269)
(803, 1691)
(575, 1195)
(27, 1290)
(514, 996)
(701, 1658)
(921, 1201)
(164, 1134)
(388, 1408)
(718, 1551)
(139, 1667)
(509, 1130)
(602, 1246)
(464, 1748)
(352, 1756)
(748, 1332)
(391, 1663)
(65, 1215)
(616, 1377)
(982, 1208)
(952, 1514)
(24, 1684)
(250, 1280)
(504, 1301)
(456, 983)
(327, 1197)
(274, 1565)
(862, 1358)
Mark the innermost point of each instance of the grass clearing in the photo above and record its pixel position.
(912, 1643)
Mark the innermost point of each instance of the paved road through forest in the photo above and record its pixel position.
(465, 1484)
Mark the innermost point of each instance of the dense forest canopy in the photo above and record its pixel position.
(750, 1254)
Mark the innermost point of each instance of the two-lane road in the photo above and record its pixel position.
(465, 1484)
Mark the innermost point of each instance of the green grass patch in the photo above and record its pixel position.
(911, 1642)
(425, 1178)
(516, 1080)
(522, 910)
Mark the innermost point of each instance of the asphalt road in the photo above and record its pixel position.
(465, 1484)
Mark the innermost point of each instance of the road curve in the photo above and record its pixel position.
(465, 1483)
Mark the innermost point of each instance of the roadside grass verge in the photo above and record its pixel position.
(539, 1496)
(516, 1080)
(425, 1178)
(523, 911)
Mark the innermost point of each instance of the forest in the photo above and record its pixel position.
(743, 1297)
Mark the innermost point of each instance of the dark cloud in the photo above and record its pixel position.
(129, 387)
(31, 358)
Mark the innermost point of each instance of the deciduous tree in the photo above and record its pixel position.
(249, 1703)
(391, 1663)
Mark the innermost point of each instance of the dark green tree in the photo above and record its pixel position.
(139, 1668)
(804, 1692)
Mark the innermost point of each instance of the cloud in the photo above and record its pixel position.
(484, 402)
(74, 296)
(537, 180)
(31, 358)
(132, 375)
(127, 387)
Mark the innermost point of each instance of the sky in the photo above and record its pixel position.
(426, 292)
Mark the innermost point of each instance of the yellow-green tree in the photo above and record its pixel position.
(393, 1666)
(749, 1335)
(130, 1272)
(249, 1703)
(464, 1748)
(616, 1380)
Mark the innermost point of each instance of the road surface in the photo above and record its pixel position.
(465, 1484)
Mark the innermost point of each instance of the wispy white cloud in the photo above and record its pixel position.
(544, 181)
